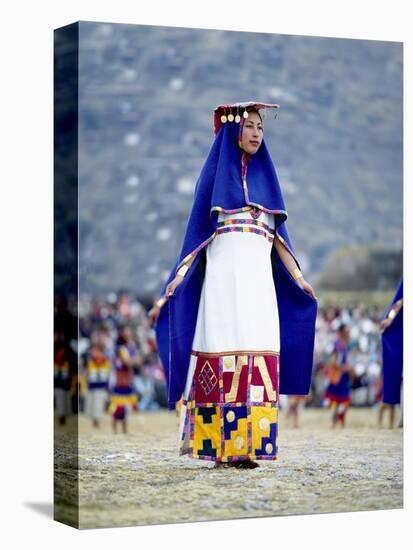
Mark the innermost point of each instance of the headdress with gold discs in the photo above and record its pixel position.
(232, 112)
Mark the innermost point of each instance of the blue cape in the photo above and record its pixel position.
(233, 181)
(392, 344)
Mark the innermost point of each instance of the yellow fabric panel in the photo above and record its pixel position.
(207, 431)
(238, 444)
(261, 418)
(124, 353)
(124, 400)
(93, 366)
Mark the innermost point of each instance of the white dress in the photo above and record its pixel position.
(230, 404)
(238, 304)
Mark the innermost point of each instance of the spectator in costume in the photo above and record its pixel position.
(62, 378)
(123, 395)
(98, 368)
(337, 394)
(392, 346)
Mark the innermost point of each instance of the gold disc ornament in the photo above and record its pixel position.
(230, 117)
(245, 114)
(223, 119)
(237, 117)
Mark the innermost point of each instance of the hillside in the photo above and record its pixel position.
(146, 100)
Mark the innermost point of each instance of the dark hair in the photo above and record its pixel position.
(255, 111)
(342, 327)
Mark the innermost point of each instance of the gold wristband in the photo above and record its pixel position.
(182, 270)
(296, 273)
(161, 301)
(392, 314)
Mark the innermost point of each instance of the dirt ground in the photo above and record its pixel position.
(139, 478)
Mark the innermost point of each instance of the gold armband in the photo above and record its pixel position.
(392, 314)
(296, 273)
(182, 270)
(161, 301)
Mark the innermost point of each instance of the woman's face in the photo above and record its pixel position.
(252, 133)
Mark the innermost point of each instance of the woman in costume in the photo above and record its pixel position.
(236, 320)
(392, 346)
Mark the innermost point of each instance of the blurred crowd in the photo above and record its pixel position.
(102, 323)
(364, 352)
(120, 319)
(105, 326)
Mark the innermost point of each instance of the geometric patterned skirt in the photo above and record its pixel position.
(122, 401)
(338, 391)
(229, 409)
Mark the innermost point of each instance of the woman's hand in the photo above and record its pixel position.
(170, 289)
(385, 324)
(153, 315)
(307, 287)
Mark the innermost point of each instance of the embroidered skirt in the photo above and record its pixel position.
(229, 409)
(123, 400)
(339, 392)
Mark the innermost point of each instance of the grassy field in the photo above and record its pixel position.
(139, 479)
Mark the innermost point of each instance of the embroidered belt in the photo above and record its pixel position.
(245, 229)
(236, 221)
